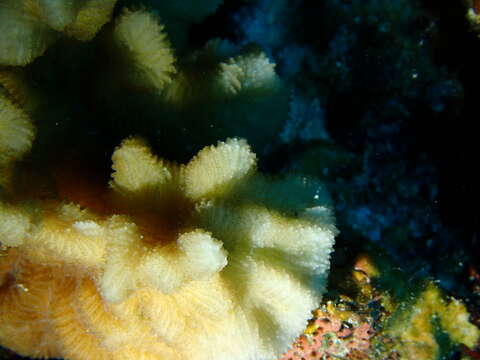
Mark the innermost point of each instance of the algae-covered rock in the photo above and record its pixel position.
(421, 328)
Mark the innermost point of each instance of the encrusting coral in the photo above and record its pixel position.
(198, 261)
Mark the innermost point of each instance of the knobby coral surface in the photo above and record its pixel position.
(198, 261)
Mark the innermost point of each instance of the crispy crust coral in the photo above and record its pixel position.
(190, 262)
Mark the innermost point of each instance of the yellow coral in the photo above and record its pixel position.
(67, 235)
(188, 262)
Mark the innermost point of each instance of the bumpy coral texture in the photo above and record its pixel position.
(208, 260)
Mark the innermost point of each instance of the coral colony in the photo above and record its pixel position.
(208, 259)
(149, 208)
(175, 253)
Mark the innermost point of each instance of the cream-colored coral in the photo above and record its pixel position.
(228, 162)
(190, 262)
(14, 225)
(14, 87)
(91, 16)
(148, 54)
(57, 14)
(216, 73)
(16, 132)
(22, 36)
(207, 96)
(28, 27)
(16, 137)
